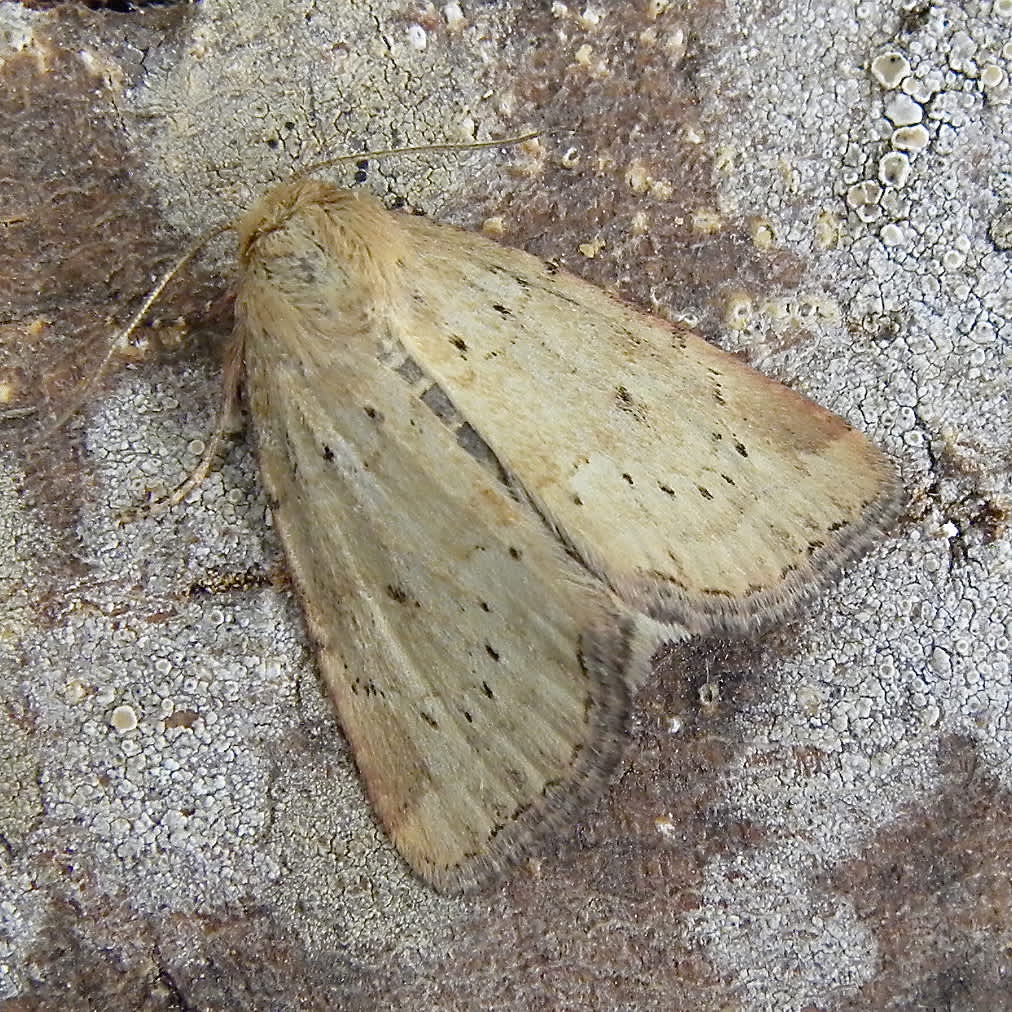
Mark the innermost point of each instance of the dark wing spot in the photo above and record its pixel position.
(484, 606)
(371, 412)
(625, 401)
(577, 500)
(468, 439)
(740, 447)
(488, 692)
(501, 309)
(430, 720)
(410, 371)
(398, 594)
(328, 453)
(492, 652)
(439, 404)
(666, 489)
(705, 492)
(515, 553)
(628, 478)
(730, 481)
(459, 344)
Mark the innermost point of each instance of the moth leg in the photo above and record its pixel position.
(229, 404)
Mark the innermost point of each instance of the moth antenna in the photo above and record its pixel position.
(419, 149)
(85, 388)
(233, 366)
(232, 375)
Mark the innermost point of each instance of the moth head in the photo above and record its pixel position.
(307, 214)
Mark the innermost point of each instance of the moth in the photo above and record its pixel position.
(492, 480)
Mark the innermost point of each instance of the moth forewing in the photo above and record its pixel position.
(704, 492)
(480, 674)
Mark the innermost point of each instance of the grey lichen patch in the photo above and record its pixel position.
(339, 879)
(890, 69)
(153, 796)
(20, 795)
(273, 86)
(921, 346)
(771, 888)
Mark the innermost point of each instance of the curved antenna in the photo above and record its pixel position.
(85, 388)
(120, 338)
(418, 149)
(234, 363)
